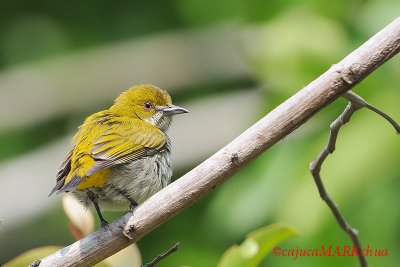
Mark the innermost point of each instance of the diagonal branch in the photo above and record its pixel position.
(280, 122)
(355, 103)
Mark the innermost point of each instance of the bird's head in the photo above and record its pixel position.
(149, 103)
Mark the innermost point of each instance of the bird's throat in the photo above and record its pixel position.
(160, 121)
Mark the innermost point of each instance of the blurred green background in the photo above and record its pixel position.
(229, 63)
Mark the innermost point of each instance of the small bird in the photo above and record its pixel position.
(122, 155)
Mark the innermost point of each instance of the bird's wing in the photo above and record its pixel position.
(124, 143)
(62, 173)
(104, 141)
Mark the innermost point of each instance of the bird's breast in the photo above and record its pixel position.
(137, 180)
(143, 177)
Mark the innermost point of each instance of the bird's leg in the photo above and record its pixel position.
(133, 204)
(93, 198)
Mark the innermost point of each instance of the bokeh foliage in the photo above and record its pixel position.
(286, 44)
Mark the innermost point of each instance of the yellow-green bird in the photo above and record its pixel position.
(122, 155)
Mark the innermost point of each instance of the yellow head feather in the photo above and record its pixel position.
(132, 102)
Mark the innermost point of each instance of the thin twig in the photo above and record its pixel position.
(315, 168)
(162, 256)
(358, 100)
(355, 103)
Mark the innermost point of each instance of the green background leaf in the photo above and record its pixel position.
(256, 246)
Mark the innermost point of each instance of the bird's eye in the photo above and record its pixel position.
(148, 105)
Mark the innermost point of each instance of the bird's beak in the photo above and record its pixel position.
(173, 110)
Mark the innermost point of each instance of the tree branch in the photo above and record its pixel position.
(355, 103)
(261, 136)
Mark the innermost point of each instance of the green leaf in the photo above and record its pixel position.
(256, 247)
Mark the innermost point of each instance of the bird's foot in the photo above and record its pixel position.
(104, 223)
(132, 206)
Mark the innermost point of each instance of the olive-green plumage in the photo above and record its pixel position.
(121, 156)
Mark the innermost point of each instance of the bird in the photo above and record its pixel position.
(122, 155)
